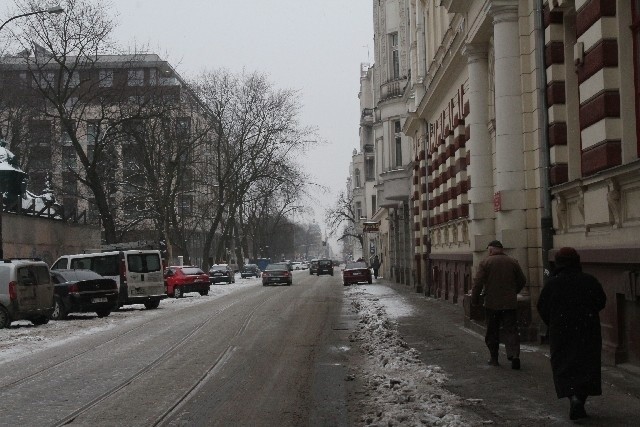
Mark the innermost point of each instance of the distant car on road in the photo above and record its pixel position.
(249, 270)
(82, 291)
(277, 273)
(221, 273)
(304, 266)
(325, 266)
(356, 272)
(180, 280)
(313, 266)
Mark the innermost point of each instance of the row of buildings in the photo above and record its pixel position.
(510, 120)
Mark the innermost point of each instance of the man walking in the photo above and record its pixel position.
(376, 266)
(499, 278)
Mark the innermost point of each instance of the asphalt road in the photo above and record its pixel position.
(259, 356)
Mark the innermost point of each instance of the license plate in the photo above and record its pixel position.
(96, 300)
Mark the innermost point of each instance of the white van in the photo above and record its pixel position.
(138, 273)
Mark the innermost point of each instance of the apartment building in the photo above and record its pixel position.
(104, 95)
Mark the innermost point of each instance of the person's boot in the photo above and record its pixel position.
(576, 408)
(515, 363)
(493, 361)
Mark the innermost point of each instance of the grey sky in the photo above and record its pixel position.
(309, 45)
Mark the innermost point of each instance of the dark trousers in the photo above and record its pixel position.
(375, 273)
(508, 321)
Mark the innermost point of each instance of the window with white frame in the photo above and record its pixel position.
(394, 59)
(358, 211)
(398, 142)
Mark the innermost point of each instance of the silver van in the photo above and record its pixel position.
(138, 273)
(26, 291)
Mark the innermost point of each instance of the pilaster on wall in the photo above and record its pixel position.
(600, 124)
(556, 71)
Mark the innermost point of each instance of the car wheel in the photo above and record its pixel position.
(103, 313)
(59, 312)
(40, 320)
(204, 292)
(5, 320)
(177, 292)
(345, 284)
(150, 305)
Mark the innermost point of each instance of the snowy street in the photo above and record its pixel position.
(315, 353)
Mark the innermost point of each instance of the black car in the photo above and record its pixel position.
(81, 291)
(277, 273)
(249, 270)
(221, 273)
(313, 266)
(325, 266)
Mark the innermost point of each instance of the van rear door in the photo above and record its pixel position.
(44, 287)
(25, 289)
(144, 273)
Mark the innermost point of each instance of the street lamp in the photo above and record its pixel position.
(52, 10)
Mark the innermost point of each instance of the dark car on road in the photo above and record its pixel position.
(249, 270)
(221, 273)
(179, 280)
(356, 272)
(82, 291)
(277, 273)
(313, 266)
(325, 266)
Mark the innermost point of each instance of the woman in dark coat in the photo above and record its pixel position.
(569, 304)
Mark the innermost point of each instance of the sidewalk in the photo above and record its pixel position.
(500, 395)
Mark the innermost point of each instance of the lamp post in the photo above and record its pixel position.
(54, 10)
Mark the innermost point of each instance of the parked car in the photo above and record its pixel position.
(277, 273)
(82, 291)
(304, 266)
(356, 272)
(249, 270)
(138, 273)
(325, 266)
(221, 273)
(179, 280)
(26, 291)
(313, 266)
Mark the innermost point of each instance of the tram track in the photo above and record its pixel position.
(210, 371)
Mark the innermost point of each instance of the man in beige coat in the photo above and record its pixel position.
(499, 278)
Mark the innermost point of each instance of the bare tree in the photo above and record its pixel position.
(342, 220)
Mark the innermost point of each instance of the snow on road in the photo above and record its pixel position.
(402, 390)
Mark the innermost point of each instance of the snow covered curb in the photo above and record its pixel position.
(401, 389)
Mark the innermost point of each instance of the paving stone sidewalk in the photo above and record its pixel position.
(500, 395)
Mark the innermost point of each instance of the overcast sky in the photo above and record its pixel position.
(313, 46)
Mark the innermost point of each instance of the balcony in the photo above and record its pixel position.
(393, 88)
(396, 186)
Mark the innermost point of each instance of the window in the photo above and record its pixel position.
(105, 78)
(369, 168)
(135, 78)
(45, 79)
(185, 204)
(374, 205)
(395, 56)
(357, 178)
(72, 79)
(69, 184)
(358, 211)
(398, 146)
(40, 132)
(183, 127)
(69, 157)
(93, 129)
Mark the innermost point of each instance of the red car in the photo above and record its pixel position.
(356, 272)
(179, 280)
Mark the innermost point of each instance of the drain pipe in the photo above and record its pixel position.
(546, 220)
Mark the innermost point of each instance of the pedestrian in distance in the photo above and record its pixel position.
(376, 266)
(569, 304)
(499, 279)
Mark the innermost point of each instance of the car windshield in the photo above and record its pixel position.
(277, 267)
(324, 262)
(356, 265)
(249, 267)
(219, 267)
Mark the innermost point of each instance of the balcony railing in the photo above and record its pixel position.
(393, 88)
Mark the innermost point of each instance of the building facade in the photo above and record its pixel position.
(521, 121)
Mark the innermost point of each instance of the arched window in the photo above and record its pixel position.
(357, 177)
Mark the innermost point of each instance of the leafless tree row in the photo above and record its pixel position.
(214, 157)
